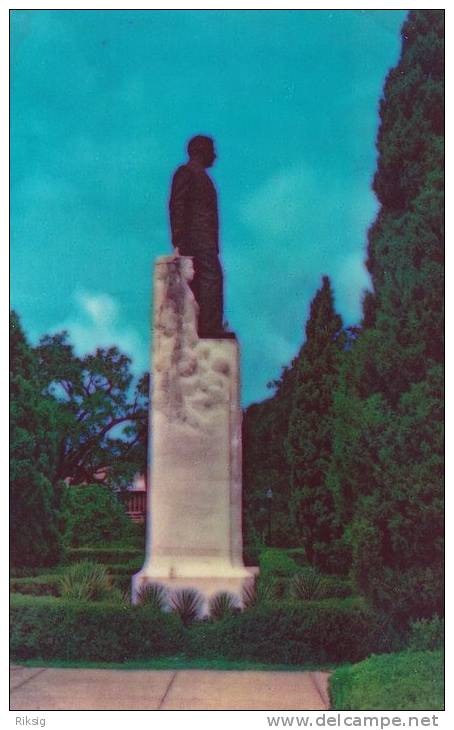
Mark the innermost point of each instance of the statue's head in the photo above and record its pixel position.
(201, 148)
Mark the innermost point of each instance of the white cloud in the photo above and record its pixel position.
(277, 207)
(101, 308)
(313, 208)
(96, 322)
(350, 279)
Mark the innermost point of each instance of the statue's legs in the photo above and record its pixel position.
(207, 286)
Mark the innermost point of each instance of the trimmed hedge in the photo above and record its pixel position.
(322, 632)
(107, 556)
(275, 563)
(408, 680)
(327, 631)
(41, 585)
(298, 555)
(51, 628)
(279, 567)
(334, 587)
(16, 572)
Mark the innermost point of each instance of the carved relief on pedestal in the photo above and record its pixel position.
(191, 376)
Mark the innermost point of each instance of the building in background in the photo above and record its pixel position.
(136, 502)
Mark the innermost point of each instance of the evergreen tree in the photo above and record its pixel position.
(310, 430)
(265, 465)
(34, 502)
(386, 473)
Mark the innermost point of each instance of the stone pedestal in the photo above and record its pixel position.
(194, 537)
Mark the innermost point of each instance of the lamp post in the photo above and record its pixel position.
(269, 496)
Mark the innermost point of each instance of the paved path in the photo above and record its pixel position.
(34, 688)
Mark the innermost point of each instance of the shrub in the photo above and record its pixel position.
(53, 628)
(127, 558)
(411, 594)
(258, 592)
(277, 563)
(129, 567)
(319, 632)
(327, 631)
(252, 548)
(94, 515)
(309, 585)
(334, 587)
(187, 603)
(427, 634)
(298, 555)
(121, 581)
(222, 605)
(85, 581)
(153, 596)
(42, 585)
(404, 681)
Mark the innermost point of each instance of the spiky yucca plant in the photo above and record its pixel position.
(308, 585)
(222, 605)
(187, 603)
(154, 596)
(86, 581)
(257, 593)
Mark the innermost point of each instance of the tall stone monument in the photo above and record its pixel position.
(194, 536)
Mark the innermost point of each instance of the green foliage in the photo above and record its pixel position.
(222, 605)
(154, 596)
(285, 574)
(85, 582)
(334, 587)
(41, 585)
(287, 442)
(95, 515)
(298, 555)
(317, 631)
(119, 557)
(63, 410)
(258, 592)
(52, 628)
(275, 562)
(93, 396)
(122, 582)
(264, 466)
(386, 472)
(34, 494)
(187, 604)
(310, 431)
(308, 585)
(427, 634)
(403, 681)
(254, 545)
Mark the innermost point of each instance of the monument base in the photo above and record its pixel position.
(232, 580)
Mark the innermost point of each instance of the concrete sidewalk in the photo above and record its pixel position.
(117, 689)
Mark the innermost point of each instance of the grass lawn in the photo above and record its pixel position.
(409, 680)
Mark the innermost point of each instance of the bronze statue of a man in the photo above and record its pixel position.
(195, 232)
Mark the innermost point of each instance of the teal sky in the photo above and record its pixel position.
(103, 103)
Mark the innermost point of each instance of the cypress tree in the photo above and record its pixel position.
(386, 473)
(265, 465)
(310, 431)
